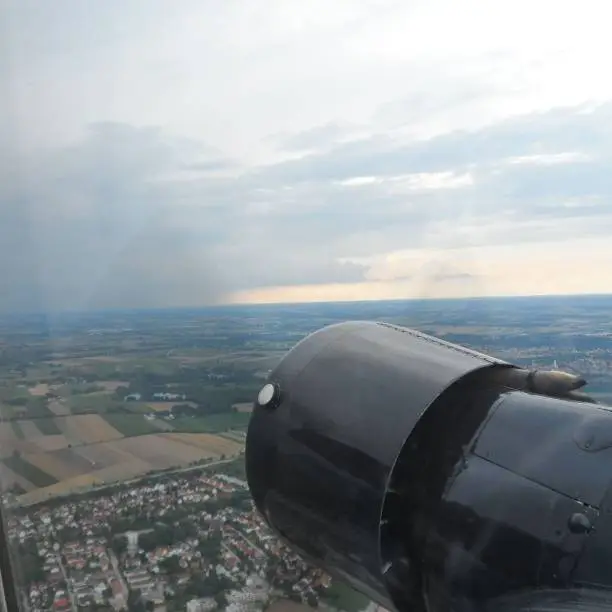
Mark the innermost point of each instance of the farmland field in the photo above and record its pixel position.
(60, 467)
(66, 469)
(28, 471)
(86, 429)
(208, 442)
(236, 436)
(110, 386)
(83, 409)
(47, 427)
(91, 402)
(7, 434)
(103, 455)
(29, 429)
(17, 429)
(9, 479)
(163, 406)
(39, 390)
(212, 423)
(130, 424)
(52, 442)
(59, 407)
(160, 452)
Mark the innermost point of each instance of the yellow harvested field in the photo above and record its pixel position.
(87, 429)
(39, 390)
(65, 486)
(30, 430)
(103, 455)
(157, 450)
(161, 452)
(22, 446)
(8, 478)
(89, 464)
(59, 407)
(215, 445)
(85, 481)
(244, 407)
(51, 443)
(123, 471)
(59, 469)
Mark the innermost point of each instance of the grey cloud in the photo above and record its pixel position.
(99, 224)
(373, 218)
(555, 131)
(299, 268)
(82, 228)
(578, 179)
(113, 220)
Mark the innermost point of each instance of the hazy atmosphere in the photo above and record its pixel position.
(158, 153)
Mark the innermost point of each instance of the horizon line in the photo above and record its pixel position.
(237, 305)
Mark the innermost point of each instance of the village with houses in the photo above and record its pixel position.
(190, 541)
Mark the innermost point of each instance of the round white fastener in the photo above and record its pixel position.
(267, 395)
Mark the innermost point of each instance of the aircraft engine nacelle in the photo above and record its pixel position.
(432, 477)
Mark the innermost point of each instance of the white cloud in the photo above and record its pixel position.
(199, 151)
(568, 157)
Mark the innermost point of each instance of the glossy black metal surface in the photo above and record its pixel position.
(497, 532)
(595, 566)
(318, 465)
(430, 477)
(525, 507)
(561, 444)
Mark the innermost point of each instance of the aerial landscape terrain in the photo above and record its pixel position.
(133, 422)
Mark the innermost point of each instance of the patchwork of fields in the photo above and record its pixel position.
(60, 452)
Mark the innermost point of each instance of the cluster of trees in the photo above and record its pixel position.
(84, 389)
(17, 401)
(28, 565)
(136, 603)
(202, 586)
(286, 586)
(209, 586)
(167, 534)
(344, 597)
(211, 395)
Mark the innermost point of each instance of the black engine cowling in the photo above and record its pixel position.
(430, 476)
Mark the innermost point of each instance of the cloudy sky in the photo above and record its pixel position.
(164, 152)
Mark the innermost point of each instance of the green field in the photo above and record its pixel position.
(130, 424)
(134, 424)
(101, 402)
(6, 412)
(17, 429)
(213, 423)
(30, 472)
(343, 597)
(48, 427)
(11, 392)
(36, 408)
(137, 407)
